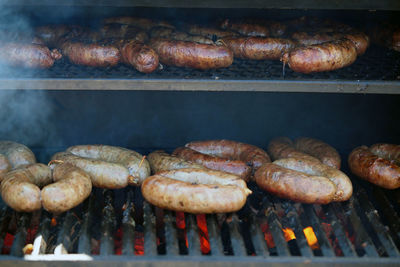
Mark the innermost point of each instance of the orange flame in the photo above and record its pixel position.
(289, 234)
(311, 237)
(203, 233)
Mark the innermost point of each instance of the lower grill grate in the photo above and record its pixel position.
(109, 223)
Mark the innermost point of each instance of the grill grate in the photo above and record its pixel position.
(377, 64)
(367, 226)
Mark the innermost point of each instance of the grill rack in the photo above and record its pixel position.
(363, 230)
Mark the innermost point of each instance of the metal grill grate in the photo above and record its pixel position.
(110, 223)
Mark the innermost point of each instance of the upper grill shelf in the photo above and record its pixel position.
(378, 71)
(290, 4)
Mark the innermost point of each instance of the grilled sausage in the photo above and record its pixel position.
(209, 32)
(344, 187)
(72, 186)
(294, 185)
(374, 169)
(387, 151)
(323, 57)
(191, 54)
(17, 154)
(5, 166)
(320, 150)
(251, 155)
(20, 188)
(142, 23)
(245, 27)
(283, 147)
(258, 48)
(123, 31)
(172, 34)
(52, 34)
(27, 55)
(134, 162)
(196, 191)
(91, 54)
(161, 161)
(236, 167)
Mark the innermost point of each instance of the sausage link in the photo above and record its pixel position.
(320, 150)
(258, 48)
(387, 151)
(20, 187)
(5, 166)
(283, 147)
(196, 191)
(17, 154)
(209, 32)
(72, 186)
(140, 56)
(172, 34)
(119, 31)
(161, 161)
(191, 54)
(344, 187)
(251, 155)
(295, 185)
(376, 170)
(323, 57)
(236, 167)
(52, 34)
(245, 27)
(142, 23)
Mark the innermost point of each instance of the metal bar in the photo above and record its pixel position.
(150, 239)
(238, 246)
(64, 237)
(23, 220)
(323, 241)
(260, 245)
(214, 237)
(192, 236)
(40, 242)
(107, 224)
(171, 235)
(275, 227)
(84, 236)
(128, 226)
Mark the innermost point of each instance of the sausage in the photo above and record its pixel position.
(294, 185)
(209, 32)
(20, 188)
(143, 23)
(172, 34)
(245, 27)
(91, 54)
(344, 187)
(320, 150)
(135, 163)
(236, 167)
(196, 191)
(258, 48)
(123, 32)
(253, 156)
(5, 166)
(27, 55)
(192, 55)
(374, 169)
(70, 188)
(161, 161)
(283, 147)
(322, 57)
(52, 34)
(17, 154)
(140, 56)
(387, 151)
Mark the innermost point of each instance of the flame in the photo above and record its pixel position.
(203, 233)
(53, 222)
(139, 243)
(289, 234)
(311, 237)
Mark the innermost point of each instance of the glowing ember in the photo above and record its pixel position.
(267, 235)
(118, 242)
(289, 234)
(8, 240)
(180, 224)
(53, 222)
(139, 243)
(203, 233)
(311, 237)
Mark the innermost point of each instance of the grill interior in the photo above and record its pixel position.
(119, 222)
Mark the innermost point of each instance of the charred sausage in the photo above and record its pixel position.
(322, 57)
(161, 161)
(196, 191)
(236, 167)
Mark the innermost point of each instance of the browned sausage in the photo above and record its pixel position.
(143, 23)
(123, 31)
(172, 34)
(258, 48)
(191, 54)
(20, 188)
(52, 34)
(283, 147)
(387, 151)
(209, 32)
(196, 191)
(251, 155)
(27, 55)
(245, 27)
(17, 154)
(5, 166)
(344, 187)
(161, 161)
(323, 57)
(376, 170)
(91, 54)
(72, 186)
(294, 185)
(236, 167)
(320, 150)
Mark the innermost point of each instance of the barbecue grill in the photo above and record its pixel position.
(251, 101)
